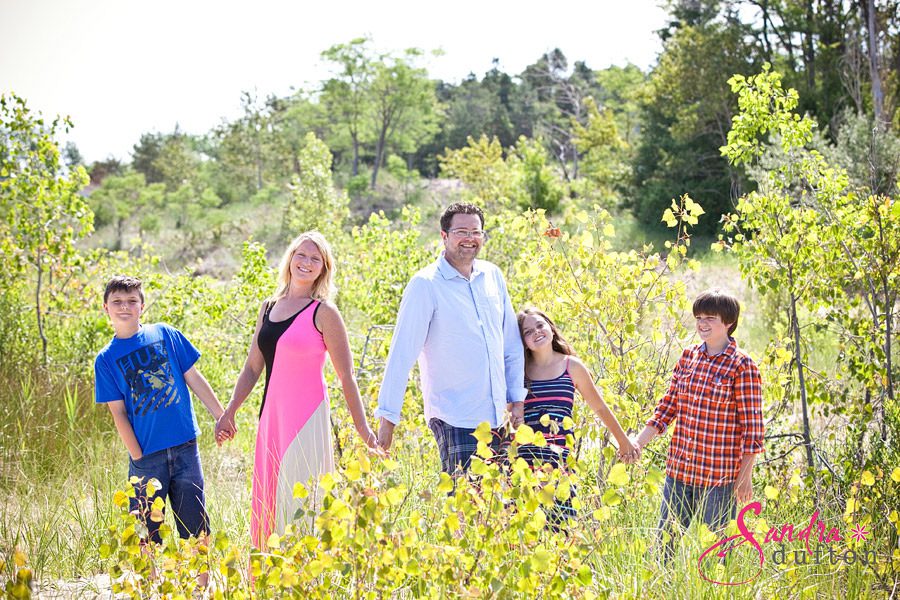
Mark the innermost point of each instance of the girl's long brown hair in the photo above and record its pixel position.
(559, 343)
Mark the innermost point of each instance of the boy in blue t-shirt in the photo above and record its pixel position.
(143, 376)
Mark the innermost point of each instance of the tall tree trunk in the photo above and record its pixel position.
(355, 139)
(874, 72)
(809, 49)
(889, 300)
(37, 306)
(120, 226)
(798, 360)
(379, 156)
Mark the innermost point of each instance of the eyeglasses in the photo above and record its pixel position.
(477, 234)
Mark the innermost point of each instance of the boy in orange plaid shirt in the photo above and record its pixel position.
(715, 397)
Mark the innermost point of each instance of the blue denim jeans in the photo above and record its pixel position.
(181, 481)
(681, 502)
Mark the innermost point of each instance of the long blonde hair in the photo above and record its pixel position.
(323, 288)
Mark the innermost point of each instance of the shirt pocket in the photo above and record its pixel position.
(683, 385)
(721, 389)
(491, 307)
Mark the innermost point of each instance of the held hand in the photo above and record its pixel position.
(385, 434)
(371, 441)
(516, 413)
(636, 449)
(630, 454)
(225, 427)
(743, 490)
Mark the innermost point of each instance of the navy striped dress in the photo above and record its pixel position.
(554, 397)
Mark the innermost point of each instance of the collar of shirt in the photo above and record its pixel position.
(448, 271)
(728, 352)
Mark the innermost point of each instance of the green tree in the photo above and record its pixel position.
(558, 100)
(806, 234)
(346, 95)
(315, 203)
(121, 198)
(687, 114)
(620, 90)
(603, 161)
(101, 169)
(254, 150)
(144, 155)
(405, 109)
(42, 214)
(72, 155)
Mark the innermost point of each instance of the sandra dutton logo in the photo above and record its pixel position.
(816, 548)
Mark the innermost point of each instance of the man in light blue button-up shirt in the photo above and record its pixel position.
(457, 320)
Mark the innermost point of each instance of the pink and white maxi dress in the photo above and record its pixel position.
(293, 442)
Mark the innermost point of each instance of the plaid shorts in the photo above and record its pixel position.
(456, 445)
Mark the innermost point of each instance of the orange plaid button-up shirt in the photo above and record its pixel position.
(717, 402)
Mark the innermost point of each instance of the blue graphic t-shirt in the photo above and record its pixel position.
(147, 372)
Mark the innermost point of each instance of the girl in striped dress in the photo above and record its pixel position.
(552, 374)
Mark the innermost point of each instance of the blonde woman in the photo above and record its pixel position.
(295, 328)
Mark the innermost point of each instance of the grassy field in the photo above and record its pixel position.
(62, 462)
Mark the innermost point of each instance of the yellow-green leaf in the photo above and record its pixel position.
(541, 558)
(483, 450)
(669, 219)
(483, 432)
(300, 490)
(611, 497)
(445, 485)
(524, 434)
(618, 475)
(153, 485)
(395, 495)
(602, 513)
(120, 499)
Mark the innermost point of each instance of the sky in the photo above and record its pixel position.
(120, 68)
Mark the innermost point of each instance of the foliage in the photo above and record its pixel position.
(42, 214)
(395, 251)
(869, 154)
(316, 203)
(120, 199)
(812, 238)
(601, 148)
(345, 94)
(687, 112)
(523, 179)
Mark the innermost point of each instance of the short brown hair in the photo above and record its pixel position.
(721, 304)
(460, 208)
(123, 283)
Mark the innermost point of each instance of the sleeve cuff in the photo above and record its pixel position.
(390, 416)
(518, 396)
(657, 425)
(753, 448)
